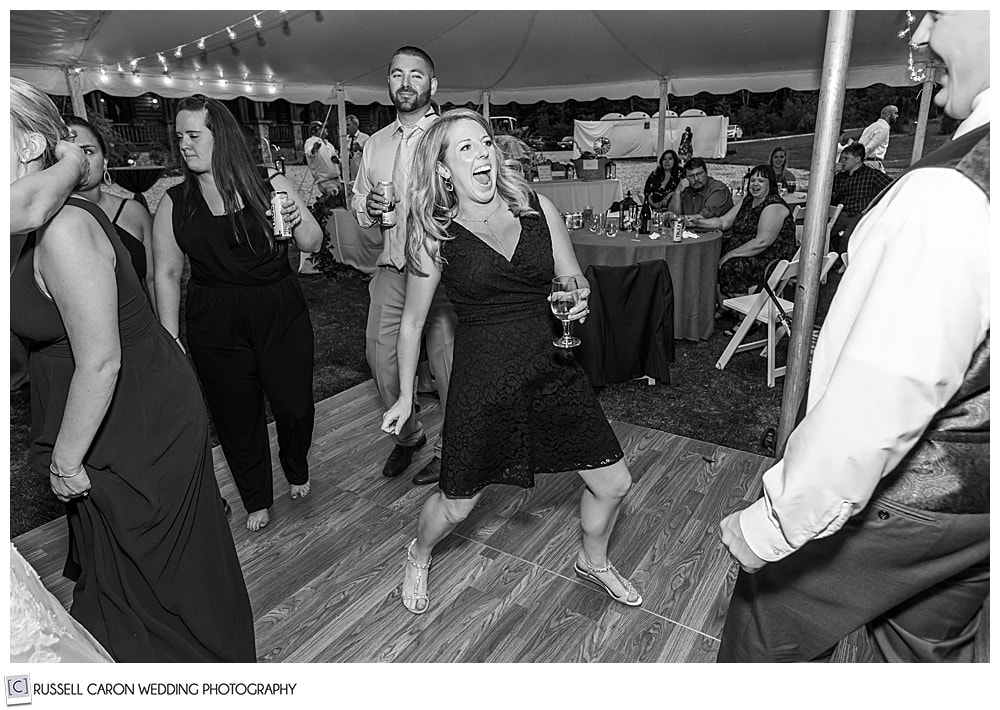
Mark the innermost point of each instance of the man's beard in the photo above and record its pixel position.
(409, 104)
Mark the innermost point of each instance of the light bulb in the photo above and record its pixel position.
(178, 52)
(201, 43)
(229, 31)
(256, 22)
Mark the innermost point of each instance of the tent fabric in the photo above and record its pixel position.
(524, 56)
(636, 138)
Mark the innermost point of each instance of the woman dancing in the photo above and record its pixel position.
(128, 217)
(516, 406)
(119, 427)
(248, 325)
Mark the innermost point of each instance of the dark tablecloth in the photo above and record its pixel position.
(694, 266)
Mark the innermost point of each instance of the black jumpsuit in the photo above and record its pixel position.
(249, 333)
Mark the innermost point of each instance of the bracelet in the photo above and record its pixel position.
(55, 472)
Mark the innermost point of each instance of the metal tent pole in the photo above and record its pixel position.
(839, 35)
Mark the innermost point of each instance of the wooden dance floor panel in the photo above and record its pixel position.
(324, 576)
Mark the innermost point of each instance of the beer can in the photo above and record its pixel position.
(280, 228)
(388, 218)
(677, 231)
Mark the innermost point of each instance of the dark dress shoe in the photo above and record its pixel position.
(429, 473)
(400, 458)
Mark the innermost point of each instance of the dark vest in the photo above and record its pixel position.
(948, 470)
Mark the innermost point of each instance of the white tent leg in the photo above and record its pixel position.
(661, 125)
(921, 132)
(76, 94)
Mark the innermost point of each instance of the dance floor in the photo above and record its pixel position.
(324, 575)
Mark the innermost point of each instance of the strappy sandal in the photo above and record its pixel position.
(587, 572)
(410, 599)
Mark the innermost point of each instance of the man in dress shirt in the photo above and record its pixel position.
(322, 159)
(878, 514)
(356, 140)
(388, 156)
(854, 186)
(704, 196)
(875, 138)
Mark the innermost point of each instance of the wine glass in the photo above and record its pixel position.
(610, 225)
(565, 295)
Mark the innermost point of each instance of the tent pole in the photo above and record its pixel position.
(921, 132)
(345, 161)
(485, 100)
(839, 35)
(76, 94)
(661, 124)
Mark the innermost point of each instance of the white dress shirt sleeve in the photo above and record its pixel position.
(907, 318)
(362, 186)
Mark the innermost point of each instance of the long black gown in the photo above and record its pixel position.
(517, 404)
(159, 576)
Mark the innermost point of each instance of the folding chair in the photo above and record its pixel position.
(832, 215)
(760, 308)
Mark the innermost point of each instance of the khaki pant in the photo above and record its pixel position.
(388, 293)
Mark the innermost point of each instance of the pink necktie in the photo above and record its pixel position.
(400, 179)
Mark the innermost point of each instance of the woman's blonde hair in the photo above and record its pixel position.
(31, 111)
(431, 206)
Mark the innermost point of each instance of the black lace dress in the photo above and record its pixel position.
(517, 405)
(736, 276)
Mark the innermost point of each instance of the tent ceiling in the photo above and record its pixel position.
(522, 56)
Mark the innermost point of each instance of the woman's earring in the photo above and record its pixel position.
(448, 184)
(107, 178)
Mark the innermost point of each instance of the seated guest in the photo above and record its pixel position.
(662, 182)
(763, 231)
(854, 186)
(130, 219)
(704, 196)
(781, 172)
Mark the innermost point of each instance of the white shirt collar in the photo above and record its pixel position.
(980, 114)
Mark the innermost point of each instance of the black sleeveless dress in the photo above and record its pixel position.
(159, 577)
(517, 404)
(134, 245)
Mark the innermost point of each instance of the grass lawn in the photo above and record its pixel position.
(731, 407)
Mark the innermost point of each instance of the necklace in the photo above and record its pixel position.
(486, 222)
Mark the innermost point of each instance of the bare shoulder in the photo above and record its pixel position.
(73, 230)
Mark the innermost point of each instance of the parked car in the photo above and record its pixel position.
(734, 132)
(566, 143)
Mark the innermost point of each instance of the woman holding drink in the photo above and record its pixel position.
(517, 405)
(248, 327)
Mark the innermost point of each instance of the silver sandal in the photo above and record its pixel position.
(413, 597)
(589, 573)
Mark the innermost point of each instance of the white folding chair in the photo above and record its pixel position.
(759, 308)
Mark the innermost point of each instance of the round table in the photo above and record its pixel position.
(694, 268)
(137, 179)
(575, 195)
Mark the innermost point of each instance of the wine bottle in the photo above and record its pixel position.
(644, 216)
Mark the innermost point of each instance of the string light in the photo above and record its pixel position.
(231, 33)
(920, 71)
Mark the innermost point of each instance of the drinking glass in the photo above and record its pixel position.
(565, 295)
(596, 222)
(611, 226)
